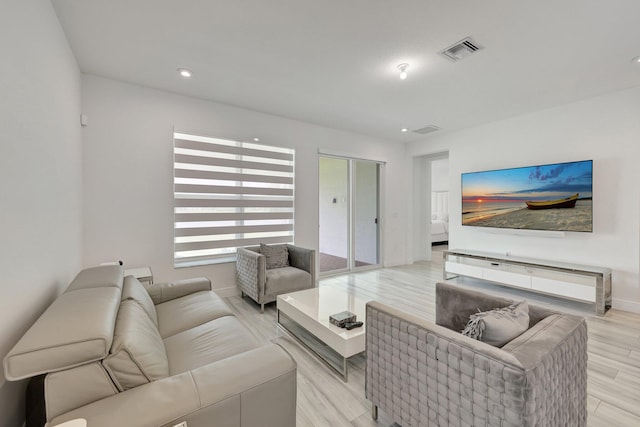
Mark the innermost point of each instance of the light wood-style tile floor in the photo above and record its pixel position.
(325, 400)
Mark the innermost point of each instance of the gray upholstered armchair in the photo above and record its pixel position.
(426, 374)
(264, 284)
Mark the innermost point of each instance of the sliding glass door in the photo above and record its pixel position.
(334, 214)
(365, 213)
(349, 214)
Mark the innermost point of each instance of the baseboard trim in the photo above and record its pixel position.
(625, 305)
(231, 291)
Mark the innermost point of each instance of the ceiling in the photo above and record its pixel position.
(334, 62)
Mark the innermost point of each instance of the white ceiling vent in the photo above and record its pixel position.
(426, 129)
(460, 50)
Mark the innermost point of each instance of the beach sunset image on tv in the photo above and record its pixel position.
(554, 197)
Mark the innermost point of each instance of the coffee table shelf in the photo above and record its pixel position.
(305, 316)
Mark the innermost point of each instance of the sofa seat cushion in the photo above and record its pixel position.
(286, 279)
(215, 340)
(137, 355)
(189, 311)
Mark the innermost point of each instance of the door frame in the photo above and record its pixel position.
(351, 213)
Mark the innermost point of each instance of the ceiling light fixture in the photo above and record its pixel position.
(403, 70)
(185, 72)
(636, 60)
(404, 130)
(256, 139)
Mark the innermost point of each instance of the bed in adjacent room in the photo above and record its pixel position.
(439, 217)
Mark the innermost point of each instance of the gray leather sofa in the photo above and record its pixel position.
(426, 374)
(263, 285)
(117, 354)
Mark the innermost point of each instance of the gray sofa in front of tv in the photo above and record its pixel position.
(426, 374)
(117, 354)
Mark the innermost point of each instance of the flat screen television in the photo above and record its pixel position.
(555, 197)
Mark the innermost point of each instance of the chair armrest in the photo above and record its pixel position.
(257, 387)
(251, 272)
(554, 356)
(542, 340)
(304, 259)
(162, 292)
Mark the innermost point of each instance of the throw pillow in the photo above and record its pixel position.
(499, 326)
(277, 256)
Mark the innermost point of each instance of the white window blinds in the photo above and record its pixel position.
(229, 194)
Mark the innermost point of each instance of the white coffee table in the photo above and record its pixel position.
(305, 315)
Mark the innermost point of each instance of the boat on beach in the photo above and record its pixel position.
(567, 202)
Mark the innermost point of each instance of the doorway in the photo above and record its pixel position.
(430, 204)
(349, 214)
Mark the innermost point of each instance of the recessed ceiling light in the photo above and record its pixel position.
(636, 60)
(403, 70)
(184, 72)
(404, 130)
(256, 139)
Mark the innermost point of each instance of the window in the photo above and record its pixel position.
(229, 194)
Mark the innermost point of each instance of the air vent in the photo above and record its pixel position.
(426, 129)
(460, 50)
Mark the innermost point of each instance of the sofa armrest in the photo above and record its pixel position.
(251, 272)
(162, 292)
(264, 380)
(257, 387)
(304, 259)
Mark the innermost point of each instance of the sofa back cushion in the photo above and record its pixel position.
(57, 340)
(101, 276)
(137, 355)
(454, 306)
(277, 256)
(133, 290)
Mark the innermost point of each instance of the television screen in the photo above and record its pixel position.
(554, 197)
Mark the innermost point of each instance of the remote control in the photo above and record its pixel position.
(351, 325)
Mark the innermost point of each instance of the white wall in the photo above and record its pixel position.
(40, 175)
(605, 129)
(439, 189)
(128, 172)
(440, 175)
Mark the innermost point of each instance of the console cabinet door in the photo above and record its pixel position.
(576, 287)
(510, 275)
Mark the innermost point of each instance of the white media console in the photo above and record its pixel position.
(582, 283)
